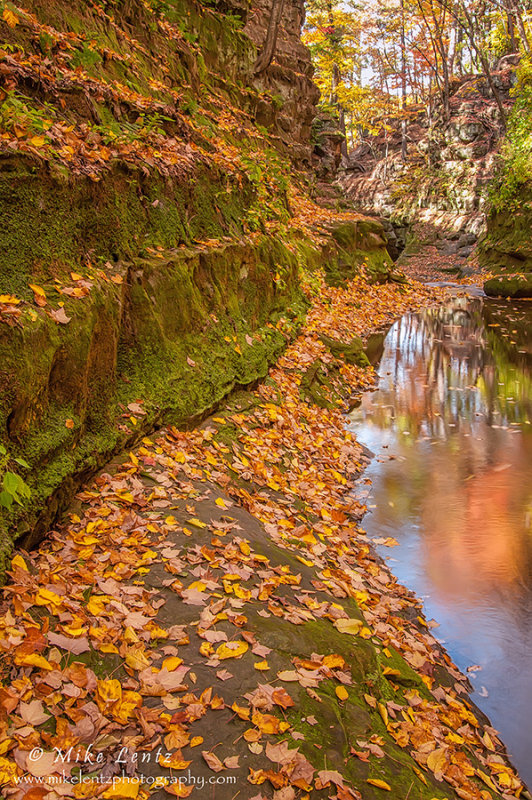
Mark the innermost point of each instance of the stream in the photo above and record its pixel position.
(450, 427)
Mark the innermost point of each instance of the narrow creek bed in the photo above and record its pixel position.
(451, 482)
(216, 580)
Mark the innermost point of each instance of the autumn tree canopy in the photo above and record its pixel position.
(378, 61)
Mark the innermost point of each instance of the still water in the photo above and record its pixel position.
(451, 429)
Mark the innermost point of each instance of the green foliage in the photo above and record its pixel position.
(18, 114)
(268, 175)
(515, 167)
(13, 488)
(234, 20)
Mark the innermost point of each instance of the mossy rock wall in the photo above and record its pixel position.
(507, 246)
(50, 221)
(172, 335)
(176, 327)
(357, 244)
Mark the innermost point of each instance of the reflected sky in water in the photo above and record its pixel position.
(450, 426)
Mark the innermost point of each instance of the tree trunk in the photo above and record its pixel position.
(525, 43)
(341, 125)
(403, 83)
(511, 29)
(472, 32)
(268, 49)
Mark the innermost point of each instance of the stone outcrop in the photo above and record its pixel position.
(442, 181)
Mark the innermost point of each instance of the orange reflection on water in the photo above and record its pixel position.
(452, 482)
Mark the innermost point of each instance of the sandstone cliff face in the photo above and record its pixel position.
(288, 80)
(448, 165)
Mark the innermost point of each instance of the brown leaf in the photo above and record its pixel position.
(76, 646)
(33, 712)
(59, 315)
(212, 761)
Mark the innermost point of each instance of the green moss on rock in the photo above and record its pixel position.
(516, 286)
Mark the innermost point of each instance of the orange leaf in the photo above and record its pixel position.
(10, 17)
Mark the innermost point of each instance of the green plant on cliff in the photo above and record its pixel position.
(515, 166)
(13, 488)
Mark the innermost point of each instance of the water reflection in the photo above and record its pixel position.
(452, 481)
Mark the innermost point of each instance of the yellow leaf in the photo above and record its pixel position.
(75, 629)
(45, 596)
(171, 663)
(341, 693)
(454, 737)
(130, 636)
(379, 784)
(108, 648)
(196, 740)
(350, 626)
(9, 299)
(393, 672)
(383, 711)
(179, 789)
(241, 711)
(488, 741)
(334, 661)
(197, 523)
(125, 710)
(437, 761)
(240, 592)
(175, 761)
(220, 502)
(5, 745)
(97, 603)
(262, 666)
(267, 723)
(487, 780)
(137, 659)
(421, 777)
(33, 660)
(108, 693)
(206, 649)
(19, 562)
(231, 650)
(8, 770)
